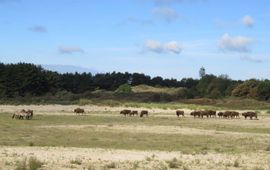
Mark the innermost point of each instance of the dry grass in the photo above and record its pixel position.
(145, 88)
(62, 140)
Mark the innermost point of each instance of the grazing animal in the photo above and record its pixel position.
(19, 114)
(235, 114)
(29, 114)
(144, 112)
(195, 114)
(79, 111)
(220, 114)
(250, 115)
(227, 114)
(133, 113)
(180, 112)
(204, 113)
(231, 114)
(125, 112)
(212, 113)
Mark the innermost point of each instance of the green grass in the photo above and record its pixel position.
(23, 133)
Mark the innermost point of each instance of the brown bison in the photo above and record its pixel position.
(204, 113)
(250, 115)
(234, 114)
(144, 112)
(125, 112)
(212, 113)
(79, 111)
(180, 112)
(220, 114)
(195, 114)
(133, 113)
(227, 114)
(231, 114)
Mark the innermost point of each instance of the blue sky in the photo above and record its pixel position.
(170, 38)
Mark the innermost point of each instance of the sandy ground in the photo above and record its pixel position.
(61, 158)
(96, 158)
(68, 109)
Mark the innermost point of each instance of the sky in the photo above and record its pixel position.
(168, 38)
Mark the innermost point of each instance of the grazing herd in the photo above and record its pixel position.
(133, 112)
(28, 114)
(226, 114)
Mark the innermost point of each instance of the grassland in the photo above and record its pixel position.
(215, 142)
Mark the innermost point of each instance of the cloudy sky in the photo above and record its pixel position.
(170, 38)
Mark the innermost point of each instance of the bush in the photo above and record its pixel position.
(124, 88)
(174, 163)
(76, 161)
(236, 163)
(34, 163)
(21, 165)
(111, 165)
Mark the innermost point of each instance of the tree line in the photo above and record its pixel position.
(25, 79)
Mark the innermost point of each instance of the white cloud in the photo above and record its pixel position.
(238, 43)
(252, 59)
(248, 21)
(168, 14)
(39, 28)
(174, 47)
(154, 46)
(158, 47)
(70, 50)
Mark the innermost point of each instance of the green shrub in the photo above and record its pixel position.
(124, 88)
(174, 163)
(21, 165)
(76, 161)
(31, 143)
(34, 163)
(236, 163)
(111, 165)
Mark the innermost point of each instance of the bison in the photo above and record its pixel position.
(195, 114)
(234, 114)
(212, 113)
(133, 113)
(180, 112)
(79, 111)
(250, 115)
(204, 113)
(220, 114)
(144, 112)
(125, 112)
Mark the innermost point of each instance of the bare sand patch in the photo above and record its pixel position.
(61, 158)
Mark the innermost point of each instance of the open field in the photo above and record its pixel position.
(102, 139)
